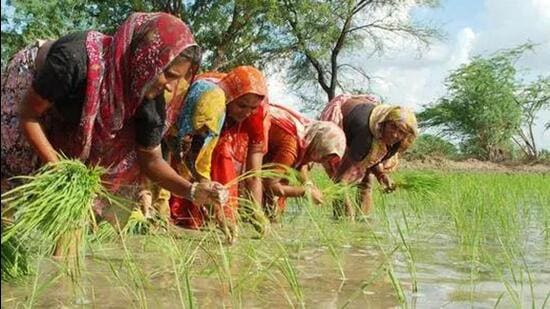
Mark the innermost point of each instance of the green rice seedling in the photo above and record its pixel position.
(182, 257)
(55, 203)
(137, 224)
(289, 272)
(15, 262)
(15, 258)
(252, 213)
(104, 233)
(130, 269)
(422, 183)
(411, 259)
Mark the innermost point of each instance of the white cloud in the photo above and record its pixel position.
(417, 81)
(511, 22)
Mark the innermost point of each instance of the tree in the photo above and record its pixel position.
(480, 106)
(310, 36)
(42, 19)
(432, 145)
(234, 32)
(532, 98)
(318, 33)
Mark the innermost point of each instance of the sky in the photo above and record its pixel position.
(470, 27)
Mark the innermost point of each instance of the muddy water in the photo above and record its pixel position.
(446, 278)
(337, 265)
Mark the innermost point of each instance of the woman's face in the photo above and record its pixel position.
(243, 106)
(391, 133)
(166, 80)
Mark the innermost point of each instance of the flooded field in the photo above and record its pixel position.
(461, 240)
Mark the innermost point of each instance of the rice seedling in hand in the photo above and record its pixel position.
(56, 204)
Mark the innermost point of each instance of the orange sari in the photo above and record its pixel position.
(229, 157)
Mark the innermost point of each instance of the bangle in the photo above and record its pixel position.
(308, 187)
(193, 191)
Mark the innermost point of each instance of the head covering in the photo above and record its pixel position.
(243, 80)
(204, 106)
(317, 139)
(198, 111)
(403, 117)
(323, 138)
(238, 82)
(122, 67)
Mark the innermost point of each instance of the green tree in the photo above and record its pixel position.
(42, 19)
(481, 105)
(235, 32)
(427, 145)
(533, 98)
(309, 36)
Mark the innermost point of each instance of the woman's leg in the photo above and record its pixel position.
(365, 192)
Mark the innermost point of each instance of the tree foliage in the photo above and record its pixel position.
(481, 105)
(533, 98)
(310, 36)
(427, 145)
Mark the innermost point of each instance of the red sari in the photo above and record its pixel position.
(229, 156)
(120, 68)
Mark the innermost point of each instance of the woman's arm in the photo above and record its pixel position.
(383, 178)
(254, 161)
(278, 188)
(32, 107)
(159, 171)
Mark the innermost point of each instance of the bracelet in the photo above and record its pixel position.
(193, 191)
(308, 187)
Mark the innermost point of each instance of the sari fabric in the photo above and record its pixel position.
(120, 70)
(377, 154)
(229, 155)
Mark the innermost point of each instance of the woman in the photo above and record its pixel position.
(100, 99)
(192, 140)
(241, 144)
(294, 142)
(375, 134)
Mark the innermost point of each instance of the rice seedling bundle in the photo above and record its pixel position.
(53, 202)
(15, 263)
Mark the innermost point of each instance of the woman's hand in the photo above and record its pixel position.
(314, 192)
(317, 196)
(208, 193)
(387, 183)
